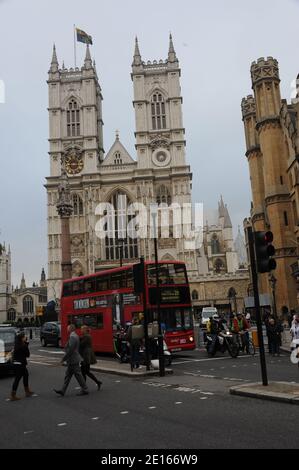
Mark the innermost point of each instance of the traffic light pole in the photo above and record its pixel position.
(257, 305)
(145, 316)
(160, 335)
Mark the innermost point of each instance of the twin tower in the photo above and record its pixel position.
(157, 173)
(271, 154)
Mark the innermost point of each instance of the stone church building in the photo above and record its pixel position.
(158, 173)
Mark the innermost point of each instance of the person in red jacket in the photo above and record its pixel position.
(240, 326)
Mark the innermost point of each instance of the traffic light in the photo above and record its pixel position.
(264, 250)
(138, 275)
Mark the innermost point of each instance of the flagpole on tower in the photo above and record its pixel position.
(75, 46)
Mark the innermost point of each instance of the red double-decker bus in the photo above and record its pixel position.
(106, 299)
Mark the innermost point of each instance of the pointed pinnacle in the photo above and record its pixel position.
(137, 55)
(171, 52)
(87, 61)
(54, 56)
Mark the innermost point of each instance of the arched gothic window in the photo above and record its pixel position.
(218, 266)
(73, 119)
(163, 197)
(194, 295)
(27, 304)
(77, 205)
(11, 315)
(121, 246)
(158, 111)
(215, 247)
(117, 159)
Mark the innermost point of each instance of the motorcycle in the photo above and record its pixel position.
(295, 351)
(155, 353)
(123, 352)
(222, 341)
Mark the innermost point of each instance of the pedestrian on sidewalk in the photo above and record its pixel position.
(88, 355)
(274, 330)
(72, 359)
(295, 327)
(20, 354)
(135, 335)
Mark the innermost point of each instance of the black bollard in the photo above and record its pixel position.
(30, 333)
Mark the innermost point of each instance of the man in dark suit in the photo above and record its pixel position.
(72, 359)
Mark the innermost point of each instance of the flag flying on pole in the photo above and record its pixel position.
(83, 37)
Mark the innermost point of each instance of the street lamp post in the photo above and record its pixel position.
(273, 281)
(160, 336)
(65, 209)
(121, 251)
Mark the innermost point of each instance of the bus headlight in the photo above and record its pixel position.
(191, 339)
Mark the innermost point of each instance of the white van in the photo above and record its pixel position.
(206, 313)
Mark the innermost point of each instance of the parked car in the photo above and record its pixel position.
(50, 333)
(7, 341)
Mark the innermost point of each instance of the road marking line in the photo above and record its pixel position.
(124, 412)
(51, 352)
(212, 359)
(203, 398)
(178, 402)
(28, 432)
(207, 393)
(42, 363)
(95, 418)
(61, 424)
(152, 407)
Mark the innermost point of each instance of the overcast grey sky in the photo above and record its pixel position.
(215, 41)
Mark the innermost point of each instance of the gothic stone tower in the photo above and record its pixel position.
(160, 141)
(267, 156)
(76, 138)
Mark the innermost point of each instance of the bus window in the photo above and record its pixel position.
(89, 285)
(118, 280)
(130, 279)
(188, 322)
(94, 321)
(78, 287)
(178, 273)
(168, 274)
(67, 289)
(102, 283)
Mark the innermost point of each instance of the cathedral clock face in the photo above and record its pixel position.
(161, 157)
(73, 164)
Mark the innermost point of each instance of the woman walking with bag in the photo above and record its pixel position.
(20, 354)
(88, 356)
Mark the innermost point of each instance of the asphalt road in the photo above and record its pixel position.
(189, 409)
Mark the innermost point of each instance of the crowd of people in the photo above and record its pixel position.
(240, 323)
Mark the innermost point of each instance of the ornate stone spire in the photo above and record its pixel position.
(171, 52)
(54, 63)
(221, 208)
(43, 279)
(87, 61)
(23, 282)
(137, 56)
(227, 219)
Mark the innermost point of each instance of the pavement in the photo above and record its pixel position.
(275, 391)
(112, 366)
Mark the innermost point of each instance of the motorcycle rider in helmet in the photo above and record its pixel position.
(240, 326)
